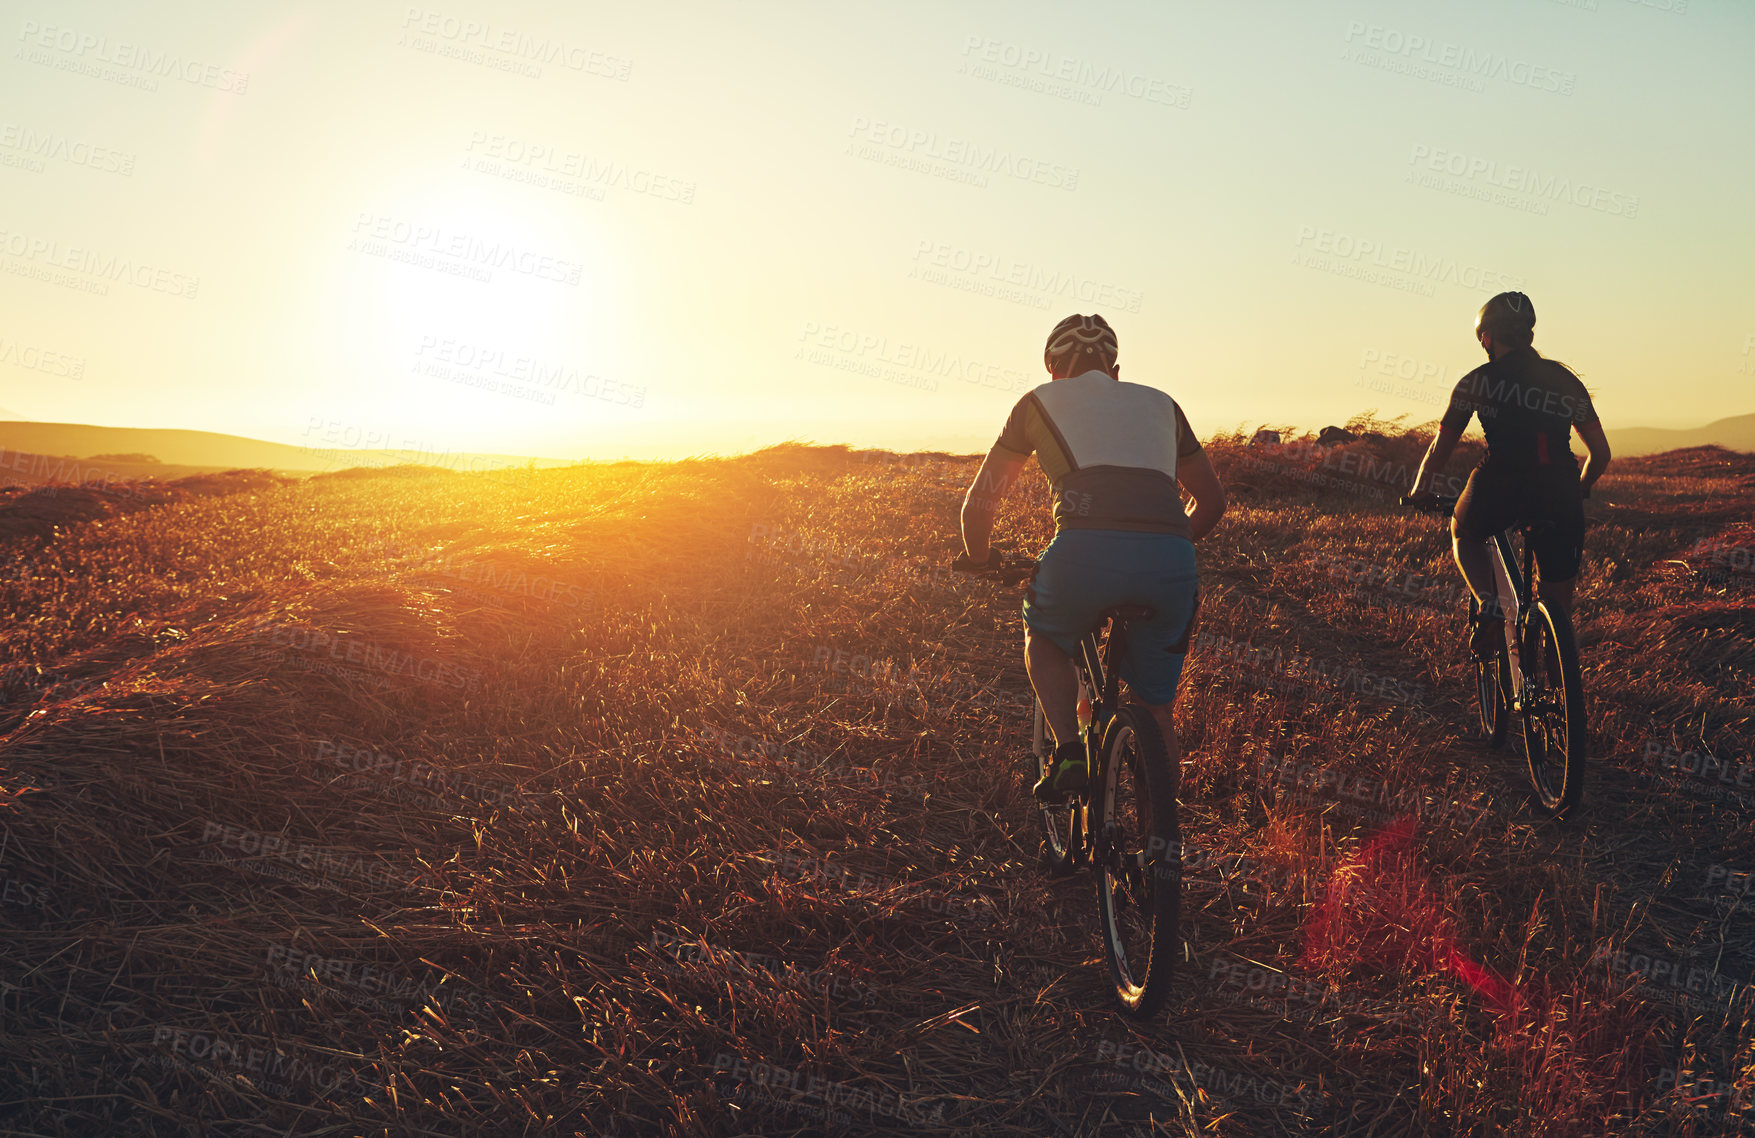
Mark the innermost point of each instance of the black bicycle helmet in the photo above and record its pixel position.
(1508, 317)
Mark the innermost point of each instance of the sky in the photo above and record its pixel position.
(596, 231)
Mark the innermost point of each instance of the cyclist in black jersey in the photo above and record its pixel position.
(1528, 407)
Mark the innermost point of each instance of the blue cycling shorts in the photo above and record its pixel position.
(1084, 571)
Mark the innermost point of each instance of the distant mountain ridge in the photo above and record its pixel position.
(1734, 433)
(213, 450)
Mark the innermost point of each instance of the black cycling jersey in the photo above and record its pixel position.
(1528, 407)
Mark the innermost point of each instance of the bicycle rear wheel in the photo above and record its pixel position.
(1492, 689)
(1063, 827)
(1553, 709)
(1138, 860)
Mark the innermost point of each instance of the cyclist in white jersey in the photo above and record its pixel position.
(1117, 456)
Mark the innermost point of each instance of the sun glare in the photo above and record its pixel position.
(465, 308)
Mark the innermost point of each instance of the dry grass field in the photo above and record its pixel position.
(689, 799)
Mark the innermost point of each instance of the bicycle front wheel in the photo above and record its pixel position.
(1138, 860)
(1553, 709)
(1062, 826)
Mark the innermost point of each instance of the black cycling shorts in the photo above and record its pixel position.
(1493, 501)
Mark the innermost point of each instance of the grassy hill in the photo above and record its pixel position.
(23, 469)
(687, 799)
(330, 447)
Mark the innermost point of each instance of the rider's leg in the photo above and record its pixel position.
(1167, 728)
(1559, 593)
(1056, 683)
(1563, 556)
(1559, 553)
(1485, 507)
(1559, 550)
(1476, 565)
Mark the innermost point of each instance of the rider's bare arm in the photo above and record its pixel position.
(998, 471)
(1437, 458)
(1597, 444)
(1195, 474)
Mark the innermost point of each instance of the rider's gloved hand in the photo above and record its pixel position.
(964, 565)
(1424, 500)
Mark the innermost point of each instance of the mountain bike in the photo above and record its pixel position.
(1125, 827)
(1533, 676)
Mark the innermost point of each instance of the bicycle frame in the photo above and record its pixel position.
(1101, 686)
(1516, 593)
(1108, 695)
(1513, 590)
